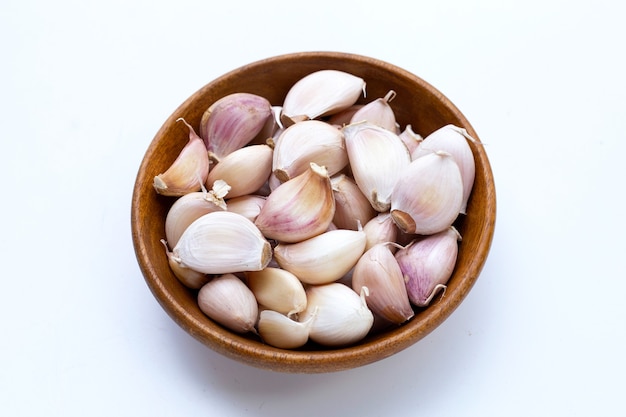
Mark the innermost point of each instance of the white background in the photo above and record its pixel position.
(85, 85)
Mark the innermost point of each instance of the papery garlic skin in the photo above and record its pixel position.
(188, 171)
(340, 315)
(379, 272)
(222, 242)
(352, 208)
(324, 258)
(190, 207)
(452, 139)
(228, 301)
(190, 278)
(380, 229)
(306, 142)
(300, 208)
(377, 158)
(245, 169)
(378, 112)
(428, 196)
(248, 206)
(427, 264)
(321, 93)
(282, 332)
(232, 122)
(278, 290)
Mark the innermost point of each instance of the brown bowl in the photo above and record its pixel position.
(417, 103)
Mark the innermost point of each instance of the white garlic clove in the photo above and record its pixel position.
(378, 158)
(190, 207)
(190, 278)
(248, 206)
(228, 301)
(306, 142)
(188, 171)
(427, 264)
(343, 117)
(300, 208)
(321, 93)
(282, 332)
(380, 229)
(453, 140)
(428, 197)
(245, 169)
(379, 271)
(324, 258)
(278, 290)
(410, 139)
(232, 122)
(378, 112)
(340, 315)
(352, 208)
(222, 242)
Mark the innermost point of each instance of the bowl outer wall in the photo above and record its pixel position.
(417, 103)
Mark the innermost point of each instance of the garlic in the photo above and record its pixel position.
(321, 93)
(323, 258)
(410, 139)
(428, 197)
(245, 169)
(248, 206)
(343, 117)
(189, 277)
(427, 264)
(190, 207)
(340, 315)
(378, 158)
(351, 206)
(300, 208)
(188, 171)
(306, 142)
(452, 139)
(278, 290)
(378, 112)
(271, 129)
(228, 301)
(379, 272)
(380, 229)
(233, 121)
(282, 332)
(222, 242)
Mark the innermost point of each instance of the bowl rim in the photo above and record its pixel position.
(264, 356)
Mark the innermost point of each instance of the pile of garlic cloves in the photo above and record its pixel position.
(316, 219)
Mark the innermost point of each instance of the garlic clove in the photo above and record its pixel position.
(379, 272)
(228, 301)
(222, 242)
(271, 129)
(343, 117)
(306, 142)
(339, 315)
(232, 122)
(248, 206)
(191, 206)
(278, 290)
(352, 208)
(281, 331)
(378, 158)
(190, 278)
(452, 139)
(378, 112)
(427, 264)
(428, 197)
(321, 93)
(245, 169)
(188, 171)
(380, 229)
(411, 139)
(300, 208)
(324, 258)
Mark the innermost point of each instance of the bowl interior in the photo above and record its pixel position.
(417, 103)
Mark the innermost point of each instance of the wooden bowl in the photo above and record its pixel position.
(417, 103)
